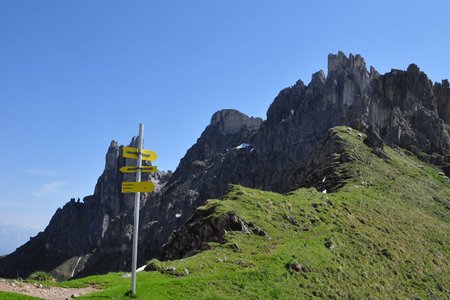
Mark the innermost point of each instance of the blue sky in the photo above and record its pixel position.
(75, 75)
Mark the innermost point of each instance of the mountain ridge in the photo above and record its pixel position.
(403, 108)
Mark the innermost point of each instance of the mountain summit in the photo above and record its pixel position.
(288, 150)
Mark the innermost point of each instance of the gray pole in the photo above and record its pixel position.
(136, 212)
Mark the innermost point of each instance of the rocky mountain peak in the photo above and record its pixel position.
(231, 121)
(373, 74)
(442, 94)
(318, 79)
(112, 156)
(413, 69)
(339, 62)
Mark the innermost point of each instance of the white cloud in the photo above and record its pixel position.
(41, 173)
(49, 188)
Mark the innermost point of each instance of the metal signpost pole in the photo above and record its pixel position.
(136, 212)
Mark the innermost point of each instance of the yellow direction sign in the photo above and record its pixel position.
(133, 169)
(134, 187)
(131, 152)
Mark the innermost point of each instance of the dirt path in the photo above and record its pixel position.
(37, 290)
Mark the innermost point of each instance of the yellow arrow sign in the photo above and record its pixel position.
(133, 169)
(134, 187)
(130, 152)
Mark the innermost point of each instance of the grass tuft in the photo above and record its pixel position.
(41, 276)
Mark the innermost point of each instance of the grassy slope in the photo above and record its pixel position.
(384, 235)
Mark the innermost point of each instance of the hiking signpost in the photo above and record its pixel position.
(137, 187)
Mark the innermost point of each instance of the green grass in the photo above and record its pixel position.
(384, 235)
(14, 296)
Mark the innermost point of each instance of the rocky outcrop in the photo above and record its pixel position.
(323, 169)
(442, 93)
(201, 229)
(291, 148)
(230, 121)
(400, 104)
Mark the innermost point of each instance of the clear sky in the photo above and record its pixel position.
(75, 75)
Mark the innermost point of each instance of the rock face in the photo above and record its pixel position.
(231, 121)
(442, 93)
(291, 148)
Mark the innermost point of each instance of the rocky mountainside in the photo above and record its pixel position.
(382, 235)
(400, 108)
